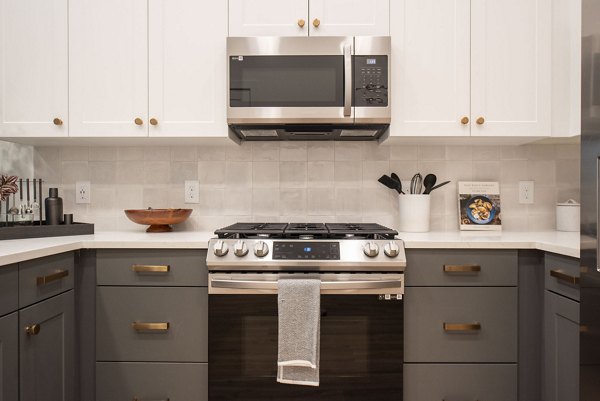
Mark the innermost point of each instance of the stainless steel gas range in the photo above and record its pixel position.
(361, 268)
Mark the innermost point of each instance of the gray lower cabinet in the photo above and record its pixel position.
(139, 381)
(9, 357)
(9, 289)
(46, 346)
(460, 382)
(561, 354)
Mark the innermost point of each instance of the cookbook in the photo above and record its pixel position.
(479, 206)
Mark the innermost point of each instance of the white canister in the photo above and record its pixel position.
(567, 216)
(414, 213)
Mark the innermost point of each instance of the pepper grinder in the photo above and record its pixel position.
(54, 208)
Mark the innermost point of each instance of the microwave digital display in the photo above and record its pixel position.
(371, 61)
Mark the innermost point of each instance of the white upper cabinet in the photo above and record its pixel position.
(268, 17)
(187, 67)
(350, 17)
(511, 67)
(33, 68)
(108, 68)
(430, 67)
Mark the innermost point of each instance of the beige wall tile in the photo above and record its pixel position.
(345, 151)
(347, 174)
(402, 152)
(320, 174)
(216, 173)
(320, 151)
(265, 175)
(103, 153)
(292, 174)
(294, 151)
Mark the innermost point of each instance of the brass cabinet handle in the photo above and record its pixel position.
(153, 121)
(462, 268)
(301, 23)
(464, 120)
(33, 330)
(139, 326)
(480, 121)
(316, 22)
(51, 277)
(451, 327)
(138, 121)
(57, 121)
(567, 278)
(151, 268)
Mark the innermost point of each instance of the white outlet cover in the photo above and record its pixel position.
(526, 192)
(83, 192)
(191, 192)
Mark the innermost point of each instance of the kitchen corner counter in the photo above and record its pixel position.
(14, 251)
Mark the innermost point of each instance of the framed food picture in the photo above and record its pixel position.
(479, 206)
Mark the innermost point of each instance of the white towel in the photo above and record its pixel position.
(299, 303)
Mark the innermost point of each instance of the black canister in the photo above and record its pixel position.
(54, 208)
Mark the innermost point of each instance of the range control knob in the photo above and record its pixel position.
(240, 249)
(220, 248)
(261, 249)
(371, 249)
(391, 249)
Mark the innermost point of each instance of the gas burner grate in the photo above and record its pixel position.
(252, 230)
(307, 231)
(360, 231)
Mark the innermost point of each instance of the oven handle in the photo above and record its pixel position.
(325, 285)
(347, 80)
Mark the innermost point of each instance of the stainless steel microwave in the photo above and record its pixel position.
(308, 88)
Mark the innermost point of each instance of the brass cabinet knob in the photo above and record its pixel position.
(301, 23)
(57, 121)
(33, 330)
(153, 121)
(480, 120)
(464, 120)
(138, 121)
(316, 22)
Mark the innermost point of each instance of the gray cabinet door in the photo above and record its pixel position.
(9, 358)
(142, 381)
(9, 289)
(562, 275)
(45, 277)
(561, 356)
(47, 355)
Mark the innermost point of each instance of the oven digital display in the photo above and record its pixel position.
(298, 250)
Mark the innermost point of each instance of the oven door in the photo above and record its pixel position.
(290, 80)
(361, 339)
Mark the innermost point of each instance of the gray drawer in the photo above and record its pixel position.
(152, 267)
(458, 382)
(457, 267)
(184, 309)
(151, 381)
(428, 309)
(562, 275)
(45, 277)
(9, 289)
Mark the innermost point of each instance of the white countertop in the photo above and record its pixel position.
(14, 251)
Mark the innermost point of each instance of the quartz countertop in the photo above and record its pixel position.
(14, 251)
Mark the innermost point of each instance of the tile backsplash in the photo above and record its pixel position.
(299, 181)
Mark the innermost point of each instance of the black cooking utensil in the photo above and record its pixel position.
(440, 185)
(391, 183)
(429, 182)
(399, 187)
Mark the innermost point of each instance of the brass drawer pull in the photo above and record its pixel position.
(33, 330)
(151, 268)
(451, 327)
(51, 277)
(139, 326)
(567, 278)
(462, 268)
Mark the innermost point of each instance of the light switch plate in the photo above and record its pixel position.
(83, 192)
(192, 192)
(526, 192)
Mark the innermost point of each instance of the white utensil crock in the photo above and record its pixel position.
(567, 216)
(414, 213)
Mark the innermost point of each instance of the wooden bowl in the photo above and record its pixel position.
(160, 220)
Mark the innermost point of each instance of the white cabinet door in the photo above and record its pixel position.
(187, 67)
(430, 67)
(510, 67)
(33, 68)
(108, 87)
(350, 17)
(268, 17)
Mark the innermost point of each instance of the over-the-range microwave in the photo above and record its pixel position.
(308, 88)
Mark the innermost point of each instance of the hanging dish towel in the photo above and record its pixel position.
(299, 303)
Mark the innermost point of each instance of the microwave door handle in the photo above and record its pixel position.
(347, 80)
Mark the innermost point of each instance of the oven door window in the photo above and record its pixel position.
(361, 349)
(286, 81)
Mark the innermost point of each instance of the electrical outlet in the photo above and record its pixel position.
(526, 192)
(192, 192)
(83, 192)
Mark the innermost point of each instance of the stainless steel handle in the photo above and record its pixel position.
(151, 268)
(464, 327)
(562, 276)
(462, 268)
(51, 277)
(141, 399)
(325, 285)
(347, 80)
(140, 326)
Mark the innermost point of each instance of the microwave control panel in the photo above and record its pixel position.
(371, 81)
